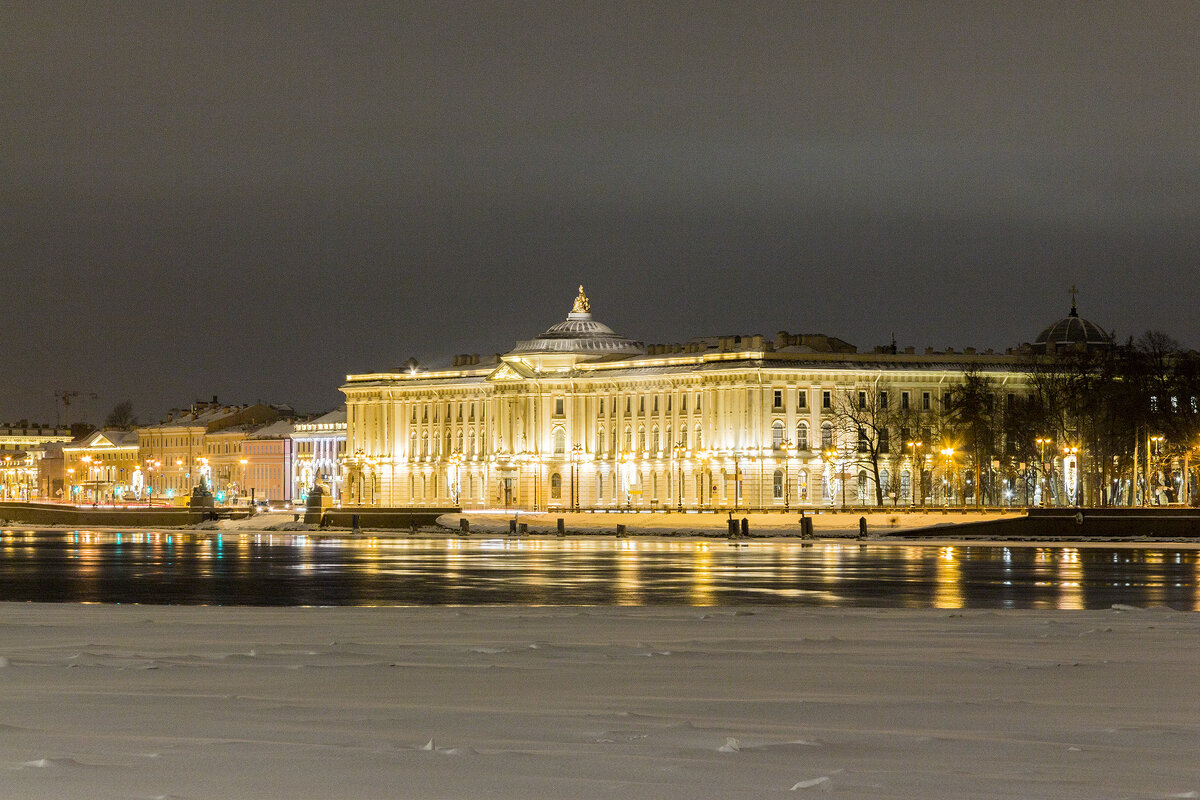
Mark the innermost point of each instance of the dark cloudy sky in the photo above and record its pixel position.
(254, 199)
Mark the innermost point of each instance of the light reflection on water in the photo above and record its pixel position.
(288, 569)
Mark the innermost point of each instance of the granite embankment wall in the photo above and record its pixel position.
(51, 514)
(1075, 523)
(377, 518)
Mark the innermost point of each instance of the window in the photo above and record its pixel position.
(925, 401)
(600, 442)
(826, 435)
(655, 408)
(777, 400)
(826, 399)
(683, 406)
(628, 405)
(864, 442)
(862, 399)
(667, 439)
(641, 438)
(642, 405)
(669, 398)
(628, 438)
(777, 434)
(459, 440)
(862, 487)
(654, 439)
(697, 402)
(683, 435)
(600, 412)
(905, 485)
(947, 400)
(558, 406)
(802, 398)
(884, 444)
(883, 399)
(556, 487)
(777, 485)
(560, 441)
(471, 443)
(904, 401)
(699, 438)
(802, 436)
(802, 486)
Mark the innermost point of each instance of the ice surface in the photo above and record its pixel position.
(512, 702)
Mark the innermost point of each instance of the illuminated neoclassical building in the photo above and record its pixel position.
(583, 417)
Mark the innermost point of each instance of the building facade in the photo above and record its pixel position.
(22, 448)
(267, 463)
(103, 467)
(580, 417)
(319, 452)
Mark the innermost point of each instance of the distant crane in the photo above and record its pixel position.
(65, 395)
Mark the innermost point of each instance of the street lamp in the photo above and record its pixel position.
(576, 455)
(786, 444)
(916, 484)
(678, 450)
(1152, 447)
(456, 462)
(947, 479)
(1042, 441)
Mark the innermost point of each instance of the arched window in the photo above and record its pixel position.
(802, 436)
(905, 485)
(777, 485)
(600, 441)
(683, 434)
(826, 435)
(641, 438)
(777, 434)
(862, 486)
(885, 480)
(446, 452)
(654, 440)
(667, 439)
(412, 445)
(599, 488)
(424, 445)
(560, 441)
(556, 487)
(471, 442)
(699, 438)
(628, 438)
(458, 441)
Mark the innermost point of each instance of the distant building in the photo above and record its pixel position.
(182, 451)
(580, 416)
(319, 447)
(267, 453)
(22, 448)
(104, 466)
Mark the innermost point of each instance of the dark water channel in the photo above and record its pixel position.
(285, 570)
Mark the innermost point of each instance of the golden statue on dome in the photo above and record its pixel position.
(582, 306)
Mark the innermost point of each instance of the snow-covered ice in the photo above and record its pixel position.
(560, 702)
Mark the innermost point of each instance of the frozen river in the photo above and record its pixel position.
(189, 568)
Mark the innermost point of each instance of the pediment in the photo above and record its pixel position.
(508, 371)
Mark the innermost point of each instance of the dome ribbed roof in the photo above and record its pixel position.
(1073, 330)
(580, 334)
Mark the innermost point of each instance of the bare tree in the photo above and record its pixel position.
(121, 417)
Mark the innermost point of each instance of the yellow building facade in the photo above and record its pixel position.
(581, 417)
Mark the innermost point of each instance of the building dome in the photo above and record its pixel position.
(1073, 332)
(578, 335)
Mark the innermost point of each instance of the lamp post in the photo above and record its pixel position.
(948, 477)
(1042, 441)
(786, 444)
(576, 455)
(916, 484)
(678, 450)
(1152, 445)
(456, 462)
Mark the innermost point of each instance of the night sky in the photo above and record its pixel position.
(255, 199)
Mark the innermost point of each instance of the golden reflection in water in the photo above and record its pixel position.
(947, 589)
(1156, 582)
(629, 586)
(1043, 574)
(1070, 580)
(702, 578)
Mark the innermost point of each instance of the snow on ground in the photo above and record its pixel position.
(509, 702)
